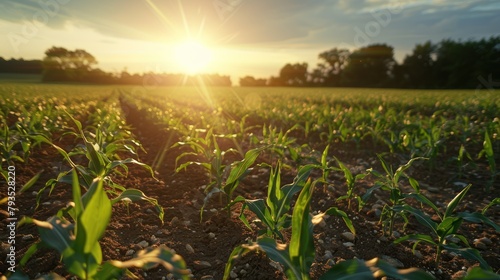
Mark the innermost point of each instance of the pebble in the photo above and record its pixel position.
(170, 276)
(46, 203)
(383, 239)
(233, 275)
(211, 235)
(201, 264)
(348, 236)
(154, 239)
(34, 193)
(174, 221)
(460, 184)
(328, 255)
(129, 252)
(207, 277)
(28, 237)
(143, 244)
(393, 261)
(480, 245)
(348, 244)
(486, 240)
(243, 272)
(459, 275)
(433, 189)
(418, 254)
(190, 248)
(396, 234)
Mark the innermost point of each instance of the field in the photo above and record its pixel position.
(249, 183)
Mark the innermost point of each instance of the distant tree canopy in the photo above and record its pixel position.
(249, 81)
(448, 64)
(62, 65)
(20, 66)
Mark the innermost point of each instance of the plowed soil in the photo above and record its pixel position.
(206, 245)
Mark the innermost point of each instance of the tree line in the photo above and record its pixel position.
(79, 66)
(62, 65)
(20, 66)
(447, 64)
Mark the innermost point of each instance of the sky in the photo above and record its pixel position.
(234, 37)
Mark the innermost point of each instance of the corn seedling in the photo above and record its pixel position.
(390, 182)
(77, 239)
(99, 165)
(447, 228)
(273, 212)
(297, 257)
(490, 156)
(223, 178)
(350, 183)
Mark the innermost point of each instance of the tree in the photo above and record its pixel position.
(61, 64)
(418, 67)
(294, 74)
(370, 66)
(249, 81)
(329, 71)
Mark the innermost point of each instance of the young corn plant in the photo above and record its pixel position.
(76, 238)
(351, 183)
(99, 166)
(224, 179)
(488, 152)
(390, 182)
(273, 212)
(298, 256)
(447, 228)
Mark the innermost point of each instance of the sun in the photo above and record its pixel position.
(192, 57)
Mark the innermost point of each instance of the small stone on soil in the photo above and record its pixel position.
(143, 244)
(28, 237)
(189, 248)
(480, 245)
(348, 236)
(348, 244)
(201, 264)
(129, 252)
(233, 275)
(211, 235)
(459, 275)
(393, 261)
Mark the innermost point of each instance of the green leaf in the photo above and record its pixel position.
(421, 217)
(479, 273)
(90, 226)
(407, 274)
(280, 253)
(419, 237)
(349, 270)
(240, 169)
(449, 225)
(54, 233)
(455, 201)
(151, 257)
(477, 217)
(468, 253)
(31, 182)
(301, 244)
(136, 195)
(495, 201)
(334, 211)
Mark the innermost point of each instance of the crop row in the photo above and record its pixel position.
(226, 134)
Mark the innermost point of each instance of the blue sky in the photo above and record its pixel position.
(244, 36)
